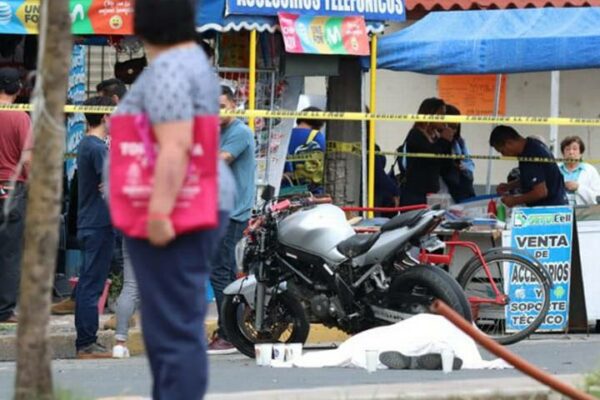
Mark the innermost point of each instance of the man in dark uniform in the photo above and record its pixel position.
(541, 183)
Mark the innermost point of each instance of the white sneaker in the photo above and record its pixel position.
(120, 351)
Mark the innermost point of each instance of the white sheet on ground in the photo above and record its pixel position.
(421, 334)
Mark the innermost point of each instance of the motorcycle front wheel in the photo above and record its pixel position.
(285, 322)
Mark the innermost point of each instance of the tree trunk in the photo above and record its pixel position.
(342, 179)
(34, 376)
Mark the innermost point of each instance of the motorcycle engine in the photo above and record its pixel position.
(325, 308)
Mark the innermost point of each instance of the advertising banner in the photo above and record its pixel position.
(89, 17)
(546, 233)
(374, 10)
(306, 34)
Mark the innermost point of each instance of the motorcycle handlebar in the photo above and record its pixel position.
(286, 204)
(280, 206)
(320, 200)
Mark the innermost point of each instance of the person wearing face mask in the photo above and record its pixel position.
(582, 180)
(94, 231)
(423, 174)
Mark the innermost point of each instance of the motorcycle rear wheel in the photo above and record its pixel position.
(428, 282)
(285, 319)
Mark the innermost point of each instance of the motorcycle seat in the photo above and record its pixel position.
(357, 244)
(408, 219)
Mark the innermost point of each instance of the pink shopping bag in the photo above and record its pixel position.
(133, 155)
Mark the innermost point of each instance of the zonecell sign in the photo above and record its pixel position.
(376, 10)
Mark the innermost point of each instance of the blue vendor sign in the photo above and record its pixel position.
(546, 233)
(376, 10)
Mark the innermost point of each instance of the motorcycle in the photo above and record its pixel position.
(307, 265)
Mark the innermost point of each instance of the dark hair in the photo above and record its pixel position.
(451, 110)
(227, 92)
(95, 120)
(165, 22)
(431, 106)
(112, 87)
(501, 134)
(10, 81)
(313, 123)
(208, 50)
(570, 140)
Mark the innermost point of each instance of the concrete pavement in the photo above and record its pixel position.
(62, 336)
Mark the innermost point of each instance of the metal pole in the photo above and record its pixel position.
(488, 180)
(252, 78)
(554, 109)
(372, 106)
(439, 307)
(364, 146)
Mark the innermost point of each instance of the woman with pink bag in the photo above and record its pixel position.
(164, 192)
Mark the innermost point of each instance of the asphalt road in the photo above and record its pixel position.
(574, 354)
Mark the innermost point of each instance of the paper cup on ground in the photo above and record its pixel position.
(279, 352)
(263, 353)
(371, 360)
(293, 351)
(447, 360)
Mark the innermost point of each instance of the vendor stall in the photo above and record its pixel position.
(504, 41)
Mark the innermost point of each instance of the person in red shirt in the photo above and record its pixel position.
(15, 156)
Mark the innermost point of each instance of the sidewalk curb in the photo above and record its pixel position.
(63, 343)
(522, 388)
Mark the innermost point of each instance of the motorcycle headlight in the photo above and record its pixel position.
(240, 254)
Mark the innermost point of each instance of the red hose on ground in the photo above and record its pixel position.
(439, 307)
(385, 209)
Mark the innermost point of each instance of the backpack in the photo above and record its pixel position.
(310, 171)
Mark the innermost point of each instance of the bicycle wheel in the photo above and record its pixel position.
(522, 301)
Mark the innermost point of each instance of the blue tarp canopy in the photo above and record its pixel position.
(211, 17)
(495, 41)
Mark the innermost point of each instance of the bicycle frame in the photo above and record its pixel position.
(446, 259)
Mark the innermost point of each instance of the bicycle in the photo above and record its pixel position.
(486, 286)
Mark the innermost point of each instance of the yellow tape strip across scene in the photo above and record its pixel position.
(357, 116)
(355, 148)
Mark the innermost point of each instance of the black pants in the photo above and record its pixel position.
(12, 227)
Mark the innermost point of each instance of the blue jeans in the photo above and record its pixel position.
(223, 264)
(172, 285)
(129, 298)
(97, 248)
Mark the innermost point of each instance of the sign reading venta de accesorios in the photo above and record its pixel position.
(546, 233)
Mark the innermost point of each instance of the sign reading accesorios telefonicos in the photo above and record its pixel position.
(546, 233)
(88, 16)
(375, 10)
(324, 35)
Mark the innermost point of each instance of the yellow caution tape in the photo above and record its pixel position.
(355, 148)
(482, 157)
(468, 119)
(355, 116)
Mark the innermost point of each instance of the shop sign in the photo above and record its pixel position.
(307, 34)
(89, 17)
(546, 233)
(375, 10)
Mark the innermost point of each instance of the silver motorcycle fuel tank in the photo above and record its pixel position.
(316, 230)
